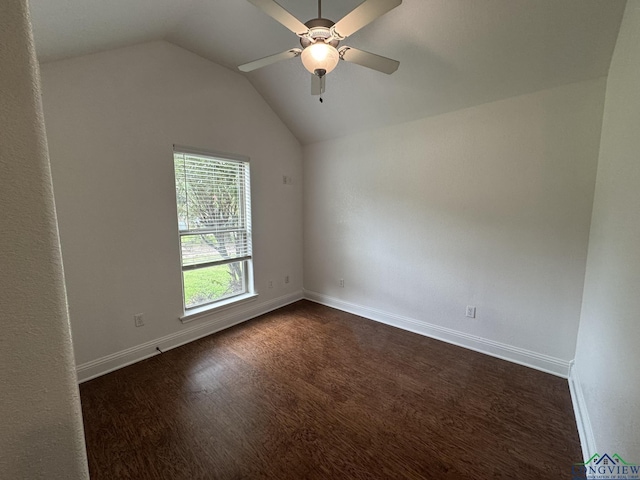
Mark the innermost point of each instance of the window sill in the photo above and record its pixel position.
(198, 312)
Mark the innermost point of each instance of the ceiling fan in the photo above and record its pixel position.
(320, 37)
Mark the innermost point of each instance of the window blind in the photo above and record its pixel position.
(214, 216)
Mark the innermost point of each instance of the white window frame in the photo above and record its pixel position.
(247, 260)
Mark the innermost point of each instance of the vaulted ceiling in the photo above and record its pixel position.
(453, 53)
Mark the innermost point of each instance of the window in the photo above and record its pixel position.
(214, 223)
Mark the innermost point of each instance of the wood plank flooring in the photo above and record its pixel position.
(309, 392)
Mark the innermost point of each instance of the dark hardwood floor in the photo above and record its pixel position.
(309, 392)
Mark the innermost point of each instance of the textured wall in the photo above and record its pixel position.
(41, 429)
(112, 119)
(607, 355)
(488, 206)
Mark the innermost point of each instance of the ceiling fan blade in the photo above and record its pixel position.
(263, 62)
(362, 15)
(369, 60)
(279, 14)
(317, 85)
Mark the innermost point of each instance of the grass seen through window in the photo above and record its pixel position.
(206, 285)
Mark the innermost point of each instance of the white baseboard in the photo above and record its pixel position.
(587, 439)
(545, 363)
(219, 321)
(528, 358)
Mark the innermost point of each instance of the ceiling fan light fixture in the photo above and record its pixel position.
(320, 56)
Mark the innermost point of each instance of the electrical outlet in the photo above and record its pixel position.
(270, 283)
(286, 279)
(471, 311)
(138, 319)
(341, 282)
(287, 180)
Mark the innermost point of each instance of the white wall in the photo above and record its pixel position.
(112, 119)
(41, 426)
(488, 206)
(608, 353)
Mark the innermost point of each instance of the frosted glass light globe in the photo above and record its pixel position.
(320, 56)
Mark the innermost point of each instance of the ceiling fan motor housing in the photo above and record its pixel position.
(319, 29)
